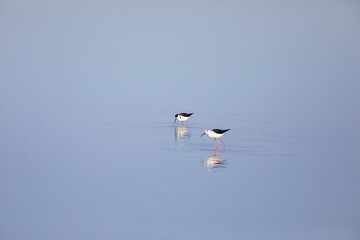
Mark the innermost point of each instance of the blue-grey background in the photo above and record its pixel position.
(88, 93)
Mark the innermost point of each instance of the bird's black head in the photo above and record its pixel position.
(176, 115)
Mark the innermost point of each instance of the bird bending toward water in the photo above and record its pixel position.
(183, 117)
(215, 134)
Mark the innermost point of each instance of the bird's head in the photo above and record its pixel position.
(207, 131)
(176, 115)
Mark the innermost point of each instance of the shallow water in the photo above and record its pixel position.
(88, 94)
(119, 175)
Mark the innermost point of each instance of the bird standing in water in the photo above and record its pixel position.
(183, 117)
(215, 134)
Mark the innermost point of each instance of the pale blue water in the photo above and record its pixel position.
(88, 94)
(118, 173)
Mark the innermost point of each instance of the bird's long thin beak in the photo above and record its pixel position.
(175, 120)
(202, 134)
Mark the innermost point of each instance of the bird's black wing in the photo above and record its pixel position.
(186, 114)
(219, 131)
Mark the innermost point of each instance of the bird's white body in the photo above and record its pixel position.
(213, 134)
(182, 118)
(216, 134)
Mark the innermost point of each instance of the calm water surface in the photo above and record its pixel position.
(88, 94)
(130, 173)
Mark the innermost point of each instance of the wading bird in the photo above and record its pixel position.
(215, 134)
(182, 117)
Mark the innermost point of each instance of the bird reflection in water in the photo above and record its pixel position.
(181, 133)
(215, 161)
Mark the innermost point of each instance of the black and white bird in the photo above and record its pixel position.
(215, 134)
(182, 117)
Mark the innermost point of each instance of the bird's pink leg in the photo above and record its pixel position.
(216, 143)
(182, 124)
(186, 124)
(222, 142)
